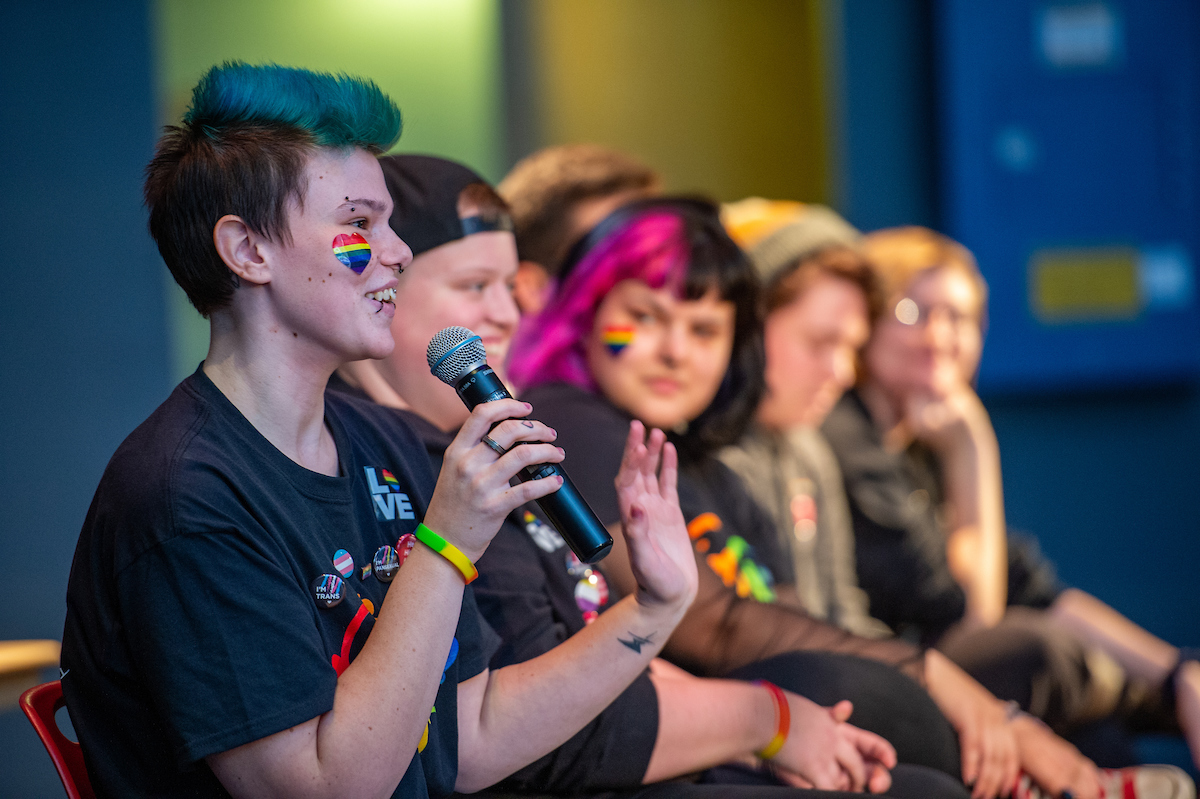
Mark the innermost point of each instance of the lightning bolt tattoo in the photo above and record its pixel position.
(638, 641)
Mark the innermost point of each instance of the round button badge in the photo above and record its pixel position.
(343, 563)
(386, 563)
(403, 547)
(591, 593)
(329, 590)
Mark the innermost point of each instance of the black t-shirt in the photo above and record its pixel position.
(733, 621)
(536, 594)
(195, 621)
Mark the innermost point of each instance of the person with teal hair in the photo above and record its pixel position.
(268, 596)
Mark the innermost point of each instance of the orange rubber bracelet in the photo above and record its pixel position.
(785, 720)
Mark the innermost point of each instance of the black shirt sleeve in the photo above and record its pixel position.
(728, 625)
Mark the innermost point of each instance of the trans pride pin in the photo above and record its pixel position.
(353, 251)
(617, 338)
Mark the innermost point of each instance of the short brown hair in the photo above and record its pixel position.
(837, 261)
(544, 189)
(900, 254)
(484, 199)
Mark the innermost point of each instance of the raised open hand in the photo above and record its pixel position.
(660, 551)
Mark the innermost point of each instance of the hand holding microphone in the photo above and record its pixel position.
(457, 357)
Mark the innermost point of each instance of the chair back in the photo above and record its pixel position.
(40, 703)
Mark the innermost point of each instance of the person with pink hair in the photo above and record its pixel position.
(655, 317)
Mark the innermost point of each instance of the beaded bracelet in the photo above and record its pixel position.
(448, 551)
(785, 720)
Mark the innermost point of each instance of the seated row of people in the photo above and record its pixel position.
(268, 593)
(570, 368)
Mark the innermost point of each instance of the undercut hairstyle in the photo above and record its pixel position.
(667, 242)
(900, 254)
(242, 149)
(836, 261)
(544, 189)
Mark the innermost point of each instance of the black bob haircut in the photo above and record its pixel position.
(714, 262)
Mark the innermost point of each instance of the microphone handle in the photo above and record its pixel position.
(566, 508)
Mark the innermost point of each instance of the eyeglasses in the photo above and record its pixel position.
(908, 312)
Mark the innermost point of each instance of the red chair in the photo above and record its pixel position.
(40, 703)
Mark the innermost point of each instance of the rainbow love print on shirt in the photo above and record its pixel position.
(353, 251)
(617, 338)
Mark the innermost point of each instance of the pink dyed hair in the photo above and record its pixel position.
(549, 347)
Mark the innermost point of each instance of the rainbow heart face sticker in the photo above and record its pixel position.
(353, 251)
(617, 338)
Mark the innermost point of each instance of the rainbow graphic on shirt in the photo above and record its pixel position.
(617, 338)
(353, 251)
(390, 480)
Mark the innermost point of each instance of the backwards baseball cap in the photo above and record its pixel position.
(425, 192)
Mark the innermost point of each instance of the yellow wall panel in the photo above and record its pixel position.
(723, 97)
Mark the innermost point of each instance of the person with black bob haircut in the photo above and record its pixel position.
(641, 326)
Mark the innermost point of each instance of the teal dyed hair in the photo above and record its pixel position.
(243, 149)
(335, 110)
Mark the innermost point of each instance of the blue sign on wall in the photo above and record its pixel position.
(1070, 152)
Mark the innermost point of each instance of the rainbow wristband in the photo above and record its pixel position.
(450, 552)
(785, 720)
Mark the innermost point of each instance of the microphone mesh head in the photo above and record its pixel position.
(453, 352)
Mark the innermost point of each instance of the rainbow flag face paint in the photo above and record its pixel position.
(353, 251)
(617, 338)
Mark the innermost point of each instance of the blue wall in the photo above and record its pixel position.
(1107, 480)
(83, 356)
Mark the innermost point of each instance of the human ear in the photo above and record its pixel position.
(238, 247)
(529, 286)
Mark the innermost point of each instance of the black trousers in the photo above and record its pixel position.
(886, 702)
(908, 782)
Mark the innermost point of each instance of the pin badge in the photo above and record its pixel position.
(591, 592)
(385, 563)
(403, 547)
(329, 590)
(343, 563)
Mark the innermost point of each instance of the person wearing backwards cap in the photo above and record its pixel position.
(537, 596)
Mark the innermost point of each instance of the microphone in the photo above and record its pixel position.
(456, 357)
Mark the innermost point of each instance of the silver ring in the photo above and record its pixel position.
(499, 450)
